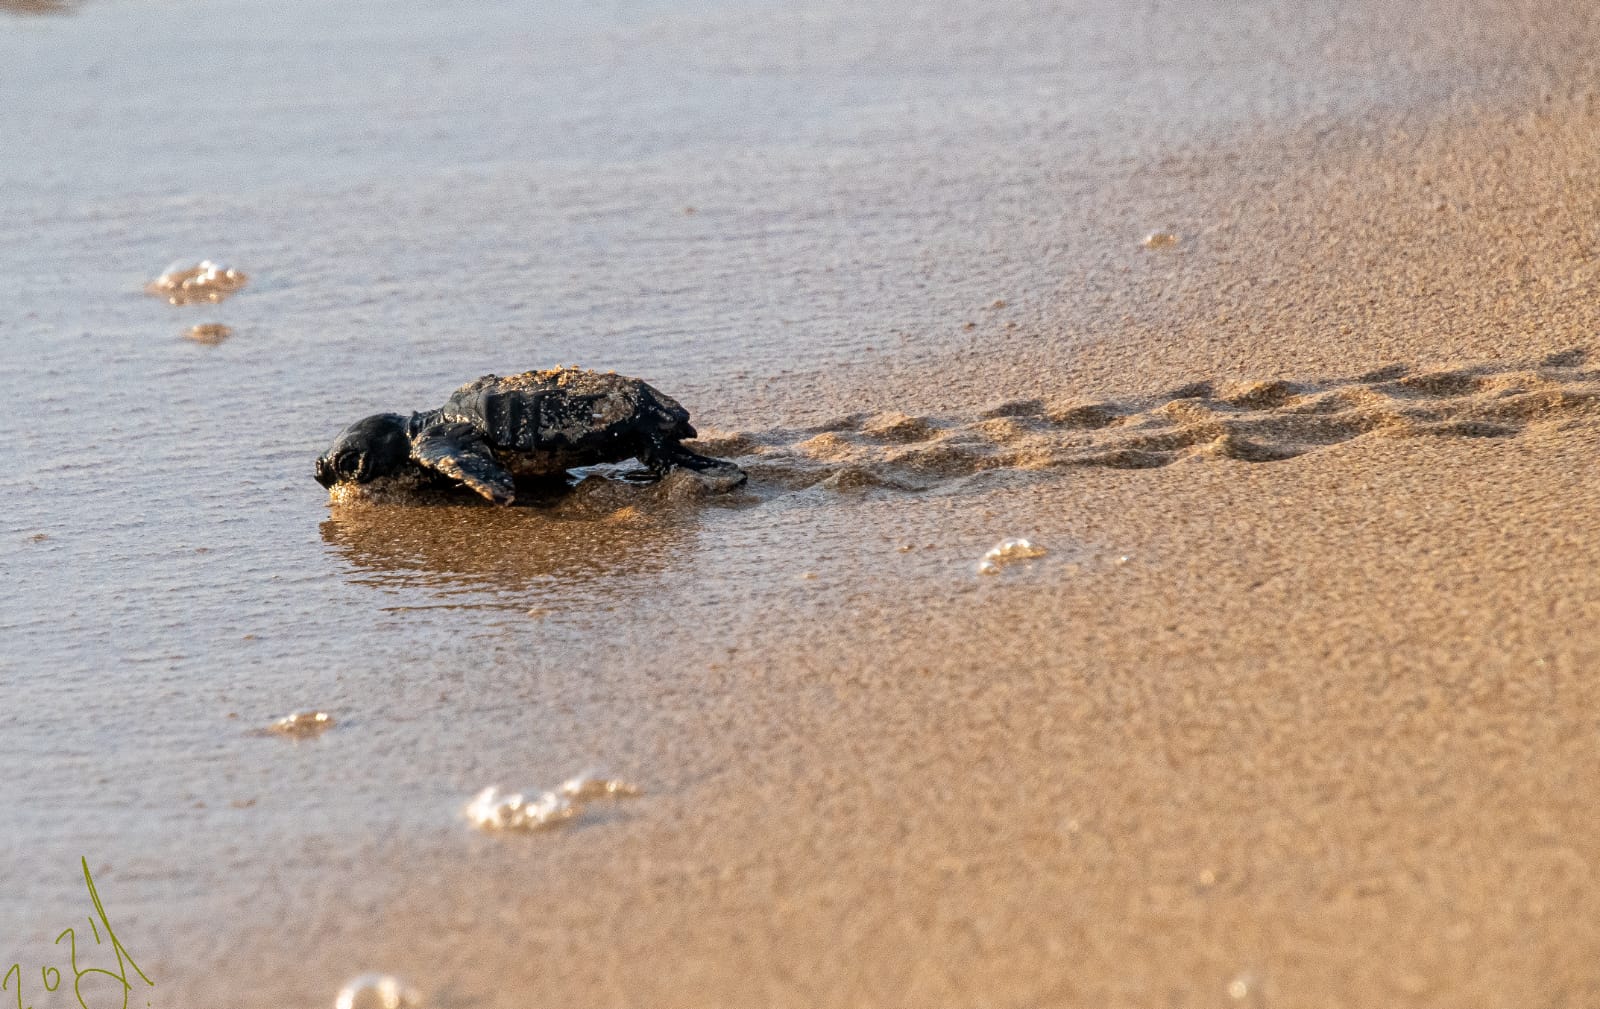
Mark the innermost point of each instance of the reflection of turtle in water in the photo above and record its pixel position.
(589, 547)
(539, 423)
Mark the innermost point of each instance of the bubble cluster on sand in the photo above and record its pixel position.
(205, 281)
(490, 810)
(1160, 240)
(211, 333)
(378, 991)
(1008, 551)
(302, 723)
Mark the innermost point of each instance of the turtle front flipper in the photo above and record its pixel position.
(458, 451)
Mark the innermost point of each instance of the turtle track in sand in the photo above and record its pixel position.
(1252, 422)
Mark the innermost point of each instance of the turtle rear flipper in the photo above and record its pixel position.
(458, 451)
(664, 456)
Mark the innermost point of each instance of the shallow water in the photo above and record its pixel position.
(421, 196)
(727, 202)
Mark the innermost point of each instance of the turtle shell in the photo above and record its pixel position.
(565, 417)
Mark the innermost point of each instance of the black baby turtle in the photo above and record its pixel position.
(535, 424)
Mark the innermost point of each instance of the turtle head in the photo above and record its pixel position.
(366, 450)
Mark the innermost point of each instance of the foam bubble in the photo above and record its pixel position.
(1242, 987)
(590, 785)
(208, 333)
(302, 723)
(378, 991)
(183, 284)
(1006, 552)
(491, 810)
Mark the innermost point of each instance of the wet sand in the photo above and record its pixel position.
(1298, 709)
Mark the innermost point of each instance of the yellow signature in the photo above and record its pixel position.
(53, 978)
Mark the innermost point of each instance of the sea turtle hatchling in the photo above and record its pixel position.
(539, 423)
